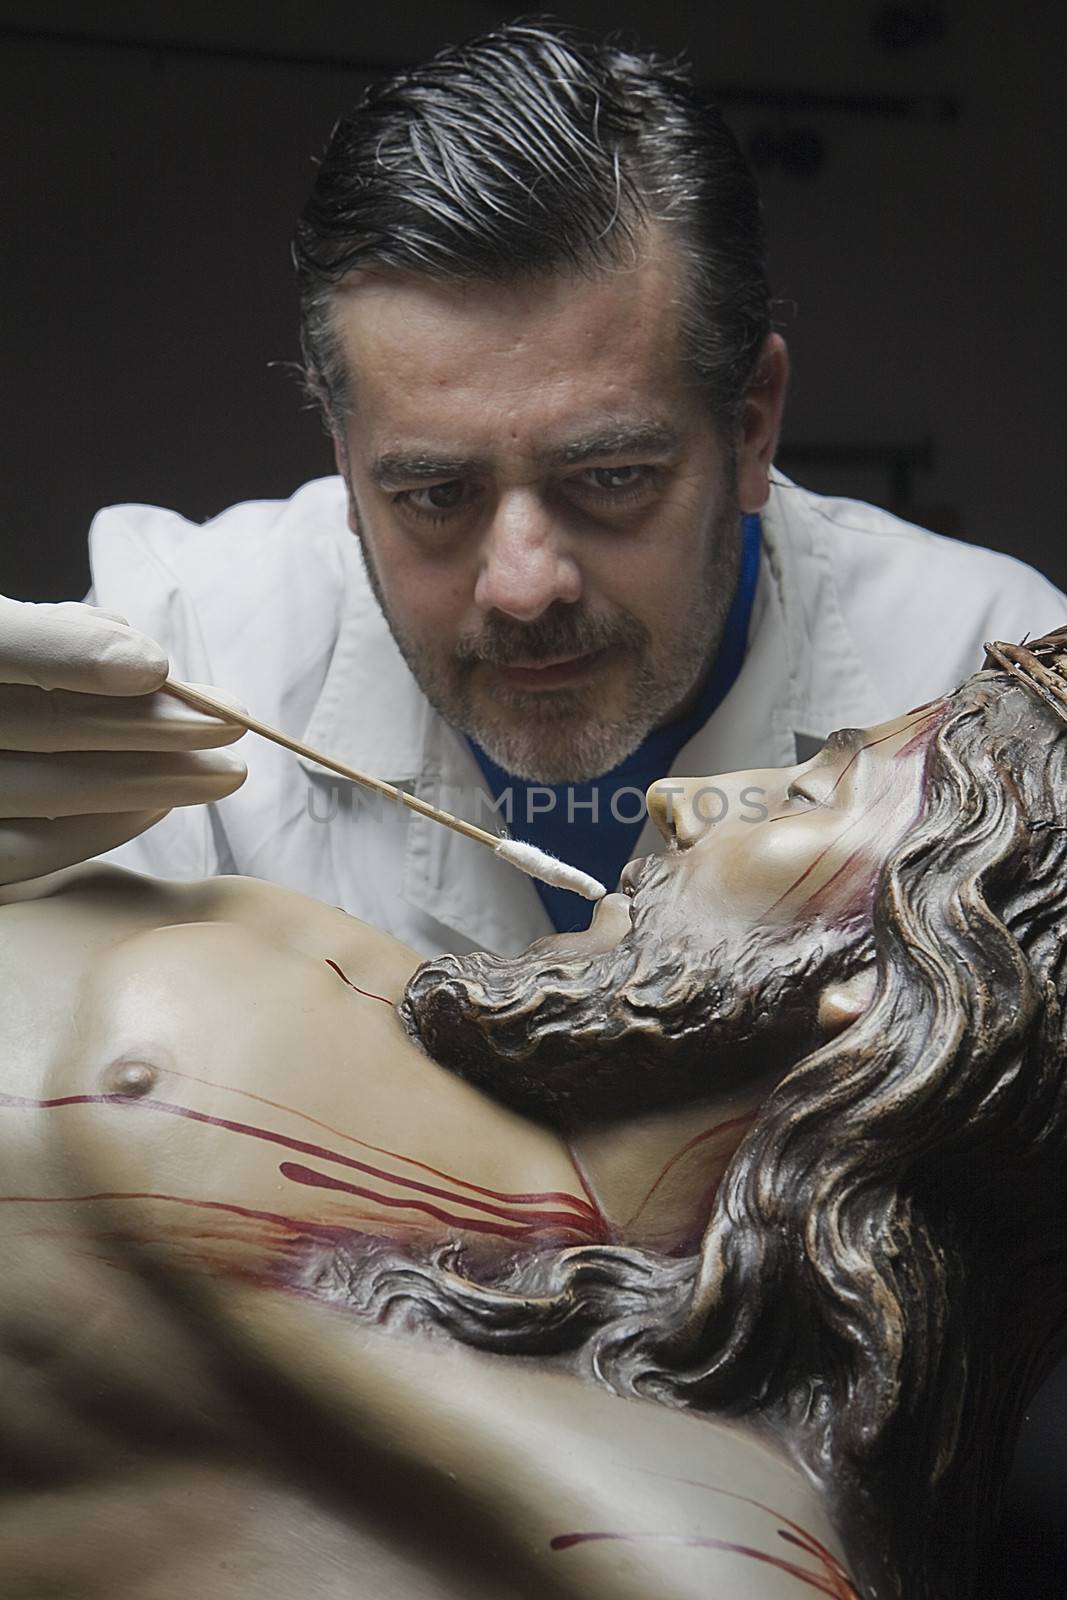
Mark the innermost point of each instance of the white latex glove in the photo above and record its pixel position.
(89, 755)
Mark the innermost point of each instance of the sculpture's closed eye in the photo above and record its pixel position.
(800, 795)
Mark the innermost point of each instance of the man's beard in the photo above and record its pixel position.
(650, 1023)
(559, 735)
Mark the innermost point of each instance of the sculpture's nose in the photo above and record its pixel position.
(661, 808)
(672, 806)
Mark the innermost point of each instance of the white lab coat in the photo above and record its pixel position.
(857, 616)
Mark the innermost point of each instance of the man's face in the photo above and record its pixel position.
(764, 897)
(548, 514)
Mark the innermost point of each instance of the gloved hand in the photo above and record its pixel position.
(89, 755)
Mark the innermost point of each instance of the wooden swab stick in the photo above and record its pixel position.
(527, 857)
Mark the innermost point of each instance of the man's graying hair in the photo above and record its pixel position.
(525, 153)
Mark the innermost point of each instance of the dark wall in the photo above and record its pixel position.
(153, 167)
(148, 290)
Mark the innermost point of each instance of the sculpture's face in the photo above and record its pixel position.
(763, 901)
(783, 847)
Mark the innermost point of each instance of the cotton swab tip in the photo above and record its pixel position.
(539, 864)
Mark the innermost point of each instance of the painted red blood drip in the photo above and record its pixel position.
(529, 1222)
(408, 1161)
(577, 1216)
(698, 1139)
(829, 1584)
(870, 744)
(800, 1536)
(862, 894)
(367, 992)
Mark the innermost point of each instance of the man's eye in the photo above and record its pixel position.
(436, 496)
(614, 480)
(436, 503)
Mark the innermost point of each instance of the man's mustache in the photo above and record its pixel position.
(502, 640)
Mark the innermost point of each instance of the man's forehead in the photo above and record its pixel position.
(400, 334)
(656, 271)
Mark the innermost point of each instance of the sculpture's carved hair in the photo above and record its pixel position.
(883, 1270)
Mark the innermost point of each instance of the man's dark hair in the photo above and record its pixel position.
(525, 152)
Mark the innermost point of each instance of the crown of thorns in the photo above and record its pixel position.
(1041, 664)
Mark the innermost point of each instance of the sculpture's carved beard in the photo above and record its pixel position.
(649, 1023)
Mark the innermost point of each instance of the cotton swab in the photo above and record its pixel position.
(526, 857)
(539, 864)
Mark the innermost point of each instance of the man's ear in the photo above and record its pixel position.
(761, 421)
(843, 1002)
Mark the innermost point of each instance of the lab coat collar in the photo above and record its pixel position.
(828, 684)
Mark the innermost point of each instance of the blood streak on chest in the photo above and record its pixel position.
(367, 993)
(450, 1201)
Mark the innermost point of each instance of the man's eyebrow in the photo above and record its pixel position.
(616, 439)
(621, 439)
(399, 466)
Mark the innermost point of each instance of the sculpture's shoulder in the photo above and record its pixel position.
(88, 926)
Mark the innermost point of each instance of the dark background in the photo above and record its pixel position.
(154, 158)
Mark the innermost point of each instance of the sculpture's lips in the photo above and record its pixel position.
(640, 877)
(633, 872)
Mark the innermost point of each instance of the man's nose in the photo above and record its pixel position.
(525, 567)
(675, 806)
